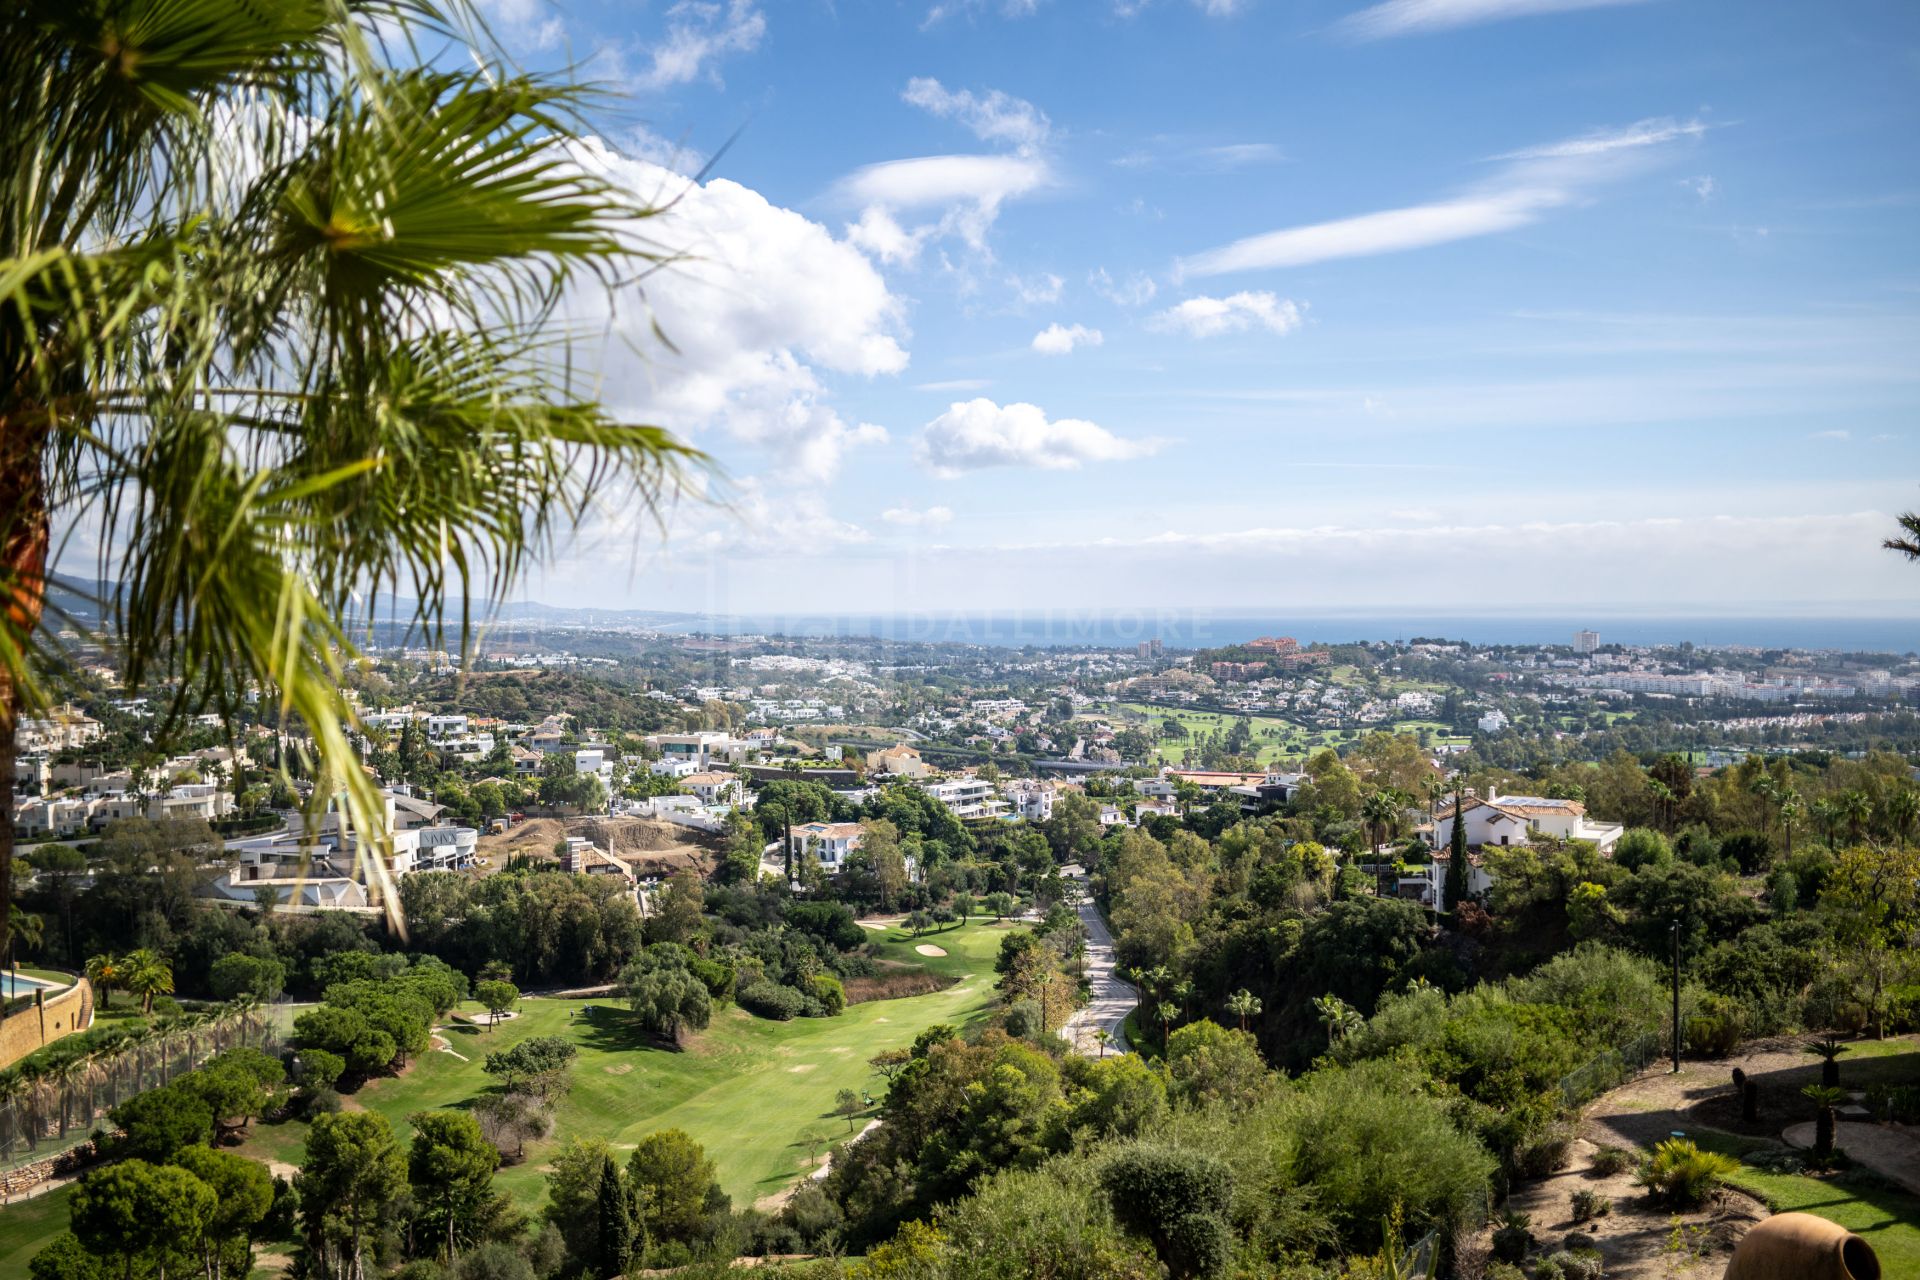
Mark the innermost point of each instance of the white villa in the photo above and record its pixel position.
(1498, 819)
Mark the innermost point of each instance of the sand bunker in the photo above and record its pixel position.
(928, 949)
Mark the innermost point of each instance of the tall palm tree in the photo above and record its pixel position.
(1790, 812)
(27, 928)
(13, 1093)
(1900, 809)
(1856, 808)
(1827, 813)
(277, 334)
(1380, 811)
(1243, 1004)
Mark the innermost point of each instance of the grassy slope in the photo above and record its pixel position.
(747, 1088)
(1885, 1216)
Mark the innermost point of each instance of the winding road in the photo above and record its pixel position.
(1112, 999)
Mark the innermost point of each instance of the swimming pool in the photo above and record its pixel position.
(11, 986)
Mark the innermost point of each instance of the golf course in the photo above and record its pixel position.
(758, 1094)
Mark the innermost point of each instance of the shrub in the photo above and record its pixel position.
(1513, 1237)
(1023, 1019)
(771, 1000)
(1504, 1271)
(1682, 1175)
(323, 1101)
(1718, 1028)
(1588, 1205)
(1608, 1161)
(831, 995)
(1545, 1153)
(1179, 1200)
(1567, 1265)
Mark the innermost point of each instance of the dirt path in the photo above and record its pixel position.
(1894, 1154)
(775, 1201)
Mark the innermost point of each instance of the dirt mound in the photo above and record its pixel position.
(623, 836)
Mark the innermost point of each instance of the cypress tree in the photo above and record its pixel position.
(1457, 885)
(614, 1222)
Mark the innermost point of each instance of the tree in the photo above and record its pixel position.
(1000, 905)
(616, 1234)
(1459, 882)
(243, 1195)
(104, 974)
(499, 997)
(1908, 543)
(238, 973)
(146, 974)
(1828, 1051)
(1871, 901)
(237, 379)
(537, 1065)
(1243, 1004)
(349, 1185)
(450, 1166)
(159, 1122)
(1827, 1097)
(666, 995)
(143, 1214)
(672, 1184)
(677, 910)
(847, 1105)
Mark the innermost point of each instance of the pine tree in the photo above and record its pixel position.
(1457, 881)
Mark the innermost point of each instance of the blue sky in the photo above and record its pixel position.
(1280, 304)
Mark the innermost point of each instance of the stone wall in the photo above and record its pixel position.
(61, 1013)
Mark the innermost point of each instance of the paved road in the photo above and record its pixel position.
(1112, 999)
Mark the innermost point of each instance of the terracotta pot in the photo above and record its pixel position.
(1799, 1246)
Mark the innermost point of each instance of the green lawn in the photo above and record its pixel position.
(1885, 1217)
(747, 1088)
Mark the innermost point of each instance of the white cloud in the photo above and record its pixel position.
(1599, 142)
(1137, 290)
(699, 33)
(1703, 187)
(978, 433)
(527, 24)
(1059, 340)
(1414, 17)
(945, 9)
(968, 190)
(761, 305)
(1204, 317)
(1037, 290)
(1238, 155)
(909, 516)
(1534, 180)
(993, 116)
(1831, 435)
(956, 384)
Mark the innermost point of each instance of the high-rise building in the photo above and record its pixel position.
(1586, 641)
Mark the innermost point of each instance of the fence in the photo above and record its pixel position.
(51, 1102)
(1609, 1069)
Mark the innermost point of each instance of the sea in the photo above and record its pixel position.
(1202, 628)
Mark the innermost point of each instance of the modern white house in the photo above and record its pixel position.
(1492, 721)
(704, 750)
(966, 797)
(830, 842)
(1498, 819)
(1031, 799)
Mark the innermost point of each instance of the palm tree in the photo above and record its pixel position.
(147, 976)
(263, 388)
(1827, 1097)
(1662, 803)
(1828, 1051)
(1856, 807)
(1183, 992)
(1900, 809)
(1380, 811)
(1340, 1018)
(13, 1093)
(1166, 1011)
(104, 971)
(1101, 1035)
(1243, 1004)
(1790, 812)
(1827, 813)
(27, 928)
